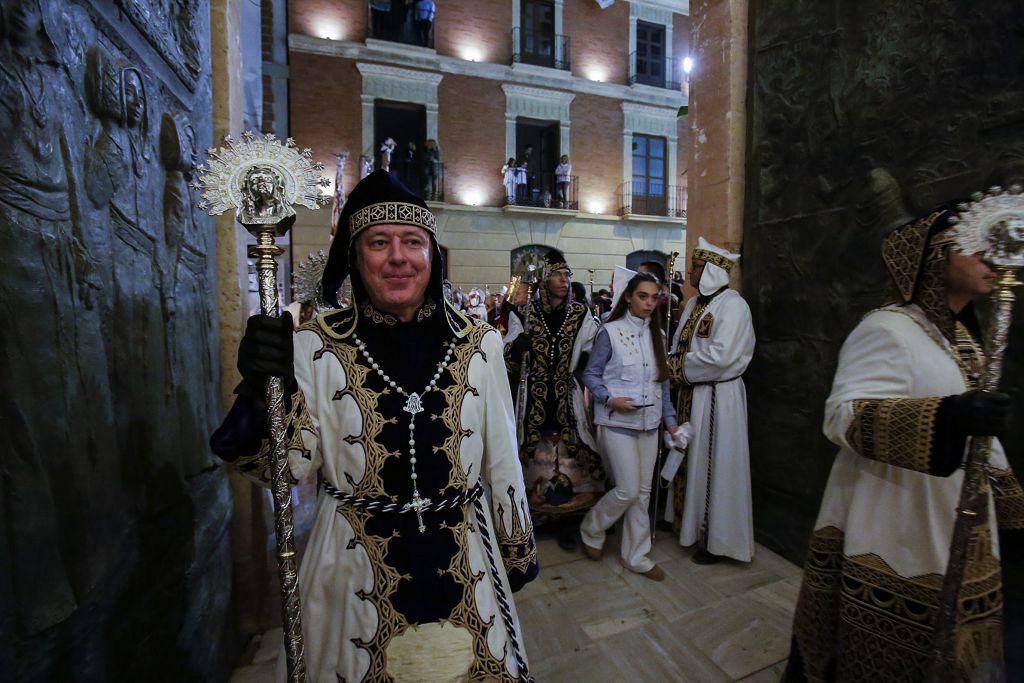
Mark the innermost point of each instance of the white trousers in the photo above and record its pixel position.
(632, 461)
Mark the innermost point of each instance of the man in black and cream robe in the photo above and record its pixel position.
(546, 348)
(422, 528)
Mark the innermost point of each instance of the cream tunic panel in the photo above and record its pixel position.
(906, 517)
(336, 568)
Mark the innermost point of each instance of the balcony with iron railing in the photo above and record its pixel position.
(424, 178)
(659, 73)
(651, 198)
(545, 192)
(400, 24)
(540, 49)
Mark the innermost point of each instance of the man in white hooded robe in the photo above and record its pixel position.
(709, 501)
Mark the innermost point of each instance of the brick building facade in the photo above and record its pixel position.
(601, 85)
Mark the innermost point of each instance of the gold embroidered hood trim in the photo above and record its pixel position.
(711, 257)
(391, 213)
(918, 262)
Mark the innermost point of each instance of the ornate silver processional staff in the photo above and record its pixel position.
(261, 179)
(992, 224)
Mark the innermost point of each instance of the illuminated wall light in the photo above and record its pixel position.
(472, 54)
(595, 207)
(328, 29)
(472, 197)
(596, 74)
(687, 65)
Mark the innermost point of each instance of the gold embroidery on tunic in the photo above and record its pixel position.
(896, 431)
(704, 327)
(370, 485)
(390, 622)
(858, 620)
(516, 542)
(467, 613)
(454, 395)
(297, 421)
(1009, 497)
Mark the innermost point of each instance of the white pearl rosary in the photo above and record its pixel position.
(413, 405)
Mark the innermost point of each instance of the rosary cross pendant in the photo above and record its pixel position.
(413, 404)
(417, 506)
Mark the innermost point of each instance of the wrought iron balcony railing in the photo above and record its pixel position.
(660, 73)
(399, 24)
(540, 48)
(652, 198)
(544, 191)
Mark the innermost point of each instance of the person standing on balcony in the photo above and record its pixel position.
(546, 349)
(563, 172)
(508, 174)
(411, 165)
(711, 503)
(628, 376)
(423, 20)
(527, 162)
(431, 170)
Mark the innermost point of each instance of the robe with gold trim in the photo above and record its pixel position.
(881, 543)
(381, 600)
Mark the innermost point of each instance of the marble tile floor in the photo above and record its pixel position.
(596, 622)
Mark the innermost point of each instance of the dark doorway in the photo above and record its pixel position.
(543, 138)
(403, 123)
(650, 54)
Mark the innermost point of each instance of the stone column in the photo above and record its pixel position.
(251, 574)
(228, 111)
(718, 115)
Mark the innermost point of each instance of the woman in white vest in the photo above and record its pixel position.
(628, 376)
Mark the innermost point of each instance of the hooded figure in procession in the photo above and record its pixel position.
(904, 404)
(710, 499)
(546, 347)
(401, 404)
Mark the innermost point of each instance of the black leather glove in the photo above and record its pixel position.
(981, 413)
(243, 428)
(521, 345)
(266, 349)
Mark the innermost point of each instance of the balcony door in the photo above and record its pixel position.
(650, 54)
(404, 123)
(537, 32)
(649, 168)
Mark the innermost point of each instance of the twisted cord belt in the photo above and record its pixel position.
(426, 505)
(473, 496)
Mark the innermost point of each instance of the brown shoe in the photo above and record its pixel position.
(591, 553)
(655, 573)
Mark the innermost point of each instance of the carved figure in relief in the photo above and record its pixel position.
(177, 153)
(45, 273)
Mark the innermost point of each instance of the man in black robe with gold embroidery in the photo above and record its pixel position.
(546, 348)
(401, 404)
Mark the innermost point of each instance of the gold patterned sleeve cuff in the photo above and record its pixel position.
(258, 465)
(1009, 497)
(895, 431)
(676, 372)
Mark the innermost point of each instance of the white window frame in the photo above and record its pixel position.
(536, 103)
(648, 120)
(517, 22)
(652, 15)
(398, 85)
